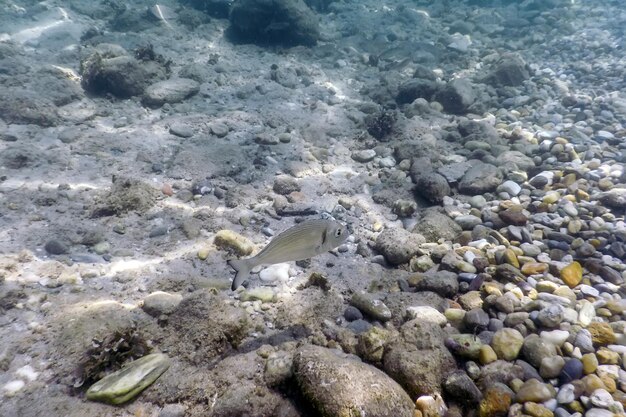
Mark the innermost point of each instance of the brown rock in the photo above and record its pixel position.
(601, 333)
(513, 216)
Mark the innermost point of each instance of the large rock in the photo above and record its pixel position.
(27, 107)
(432, 186)
(457, 96)
(205, 322)
(480, 178)
(337, 385)
(288, 22)
(416, 88)
(109, 69)
(419, 371)
(511, 159)
(510, 70)
(444, 283)
(397, 245)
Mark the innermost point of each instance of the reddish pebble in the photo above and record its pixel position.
(167, 190)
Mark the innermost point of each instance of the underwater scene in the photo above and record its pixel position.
(312, 208)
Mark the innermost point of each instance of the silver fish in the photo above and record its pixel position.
(302, 241)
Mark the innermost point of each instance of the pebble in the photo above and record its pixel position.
(571, 371)
(352, 313)
(56, 247)
(566, 394)
(551, 367)
(371, 307)
(487, 355)
(365, 155)
(13, 387)
(551, 316)
(275, 273)
(263, 294)
(464, 345)
(507, 343)
(556, 337)
(510, 187)
(160, 302)
(583, 341)
(599, 412)
(586, 313)
(537, 410)
(572, 274)
(426, 314)
(590, 363)
(535, 350)
(476, 319)
(535, 391)
(227, 239)
(601, 398)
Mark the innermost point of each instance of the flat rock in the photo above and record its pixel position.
(173, 90)
(480, 178)
(336, 384)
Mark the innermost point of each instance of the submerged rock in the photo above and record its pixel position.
(288, 22)
(128, 382)
(338, 385)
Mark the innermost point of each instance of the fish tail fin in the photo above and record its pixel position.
(242, 267)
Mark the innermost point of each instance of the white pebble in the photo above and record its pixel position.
(510, 187)
(556, 337)
(426, 314)
(275, 273)
(27, 372)
(11, 388)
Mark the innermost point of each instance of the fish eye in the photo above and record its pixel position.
(338, 232)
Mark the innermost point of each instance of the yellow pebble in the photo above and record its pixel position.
(487, 355)
(572, 274)
(203, 253)
(590, 363)
(534, 268)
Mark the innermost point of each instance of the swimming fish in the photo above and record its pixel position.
(302, 241)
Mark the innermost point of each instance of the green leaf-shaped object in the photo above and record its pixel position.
(129, 381)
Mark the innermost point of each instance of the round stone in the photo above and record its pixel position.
(572, 370)
(507, 343)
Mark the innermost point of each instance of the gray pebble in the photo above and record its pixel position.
(365, 155)
(468, 222)
(352, 313)
(359, 326)
(56, 247)
(583, 341)
(476, 319)
(550, 316)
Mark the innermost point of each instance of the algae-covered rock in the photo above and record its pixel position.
(263, 294)
(128, 382)
(229, 240)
